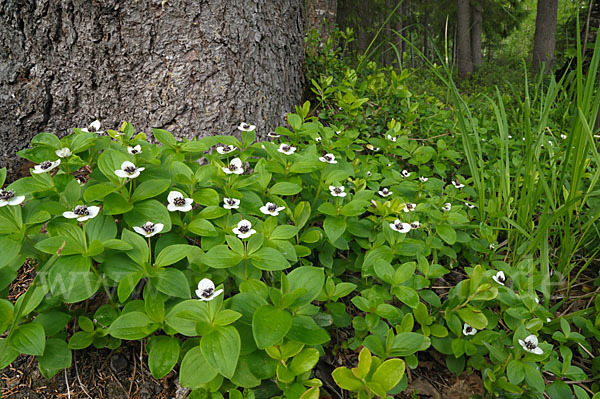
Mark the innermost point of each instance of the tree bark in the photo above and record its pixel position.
(398, 26)
(463, 41)
(193, 67)
(476, 30)
(545, 29)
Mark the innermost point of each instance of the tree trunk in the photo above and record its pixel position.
(321, 15)
(476, 30)
(463, 41)
(398, 26)
(193, 67)
(364, 33)
(545, 28)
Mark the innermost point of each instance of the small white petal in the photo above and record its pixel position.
(70, 215)
(63, 152)
(96, 125)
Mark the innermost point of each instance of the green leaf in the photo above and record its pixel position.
(184, 316)
(29, 338)
(515, 371)
(221, 257)
(304, 361)
(284, 232)
(389, 373)
(559, 390)
(334, 227)
(354, 208)
(309, 278)
(533, 377)
(132, 326)
(57, 356)
(60, 246)
(206, 197)
(111, 160)
(346, 380)
(173, 282)
(101, 228)
(7, 353)
(150, 188)
(163, 354)
(474, 319)
(407, 295)
(165, 137)
(127, 284)
(140, 252)
(116, 204)
(407, 343)
(285, 188)
(305, 330)
(447, 233)
(149, 211)
(269, 259)
(202, 227)
(270, 325)
(295, 121)
(193, 362)
(81, 340)
(221, 348)
(173, 254)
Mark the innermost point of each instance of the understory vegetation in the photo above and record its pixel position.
(395, 215)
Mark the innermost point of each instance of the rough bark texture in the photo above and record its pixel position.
(545, 29)
(321, 15)
(463, 39)
(193, 67)
(476, 30)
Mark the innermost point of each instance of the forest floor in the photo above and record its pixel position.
(124, 374)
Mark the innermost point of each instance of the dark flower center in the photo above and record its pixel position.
(272, 207)
(398, 225)
(244, 229)
(6, 195)
(337, 190)
(328, 158)
(134, 151)
(232, 166)
(410, 206)
(501, 278)
(130, 170)
(231, 201)
(285, 148)
(148, 227)
(245, 126)
(384, 190)
(207, 292)
(81, 210)
(179, 201)
(414, 225)
(468, 329)
(46, 164)
(530, 345)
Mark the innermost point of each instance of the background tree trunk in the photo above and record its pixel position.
(321, 15)
(545, 28)
(192, 67)
(463, 40)
(476, 29)
(398, 26)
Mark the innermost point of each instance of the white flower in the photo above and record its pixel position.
(523, 138)
(337, 191)
(231, 203)
(470, 206)
(468, 330)
(225, 149)
(206, 290)
(328, 158)
(95, 126)
(563, 136)
(423, 179)
(244, 127)
(384, 192)
(7, 197)
(537, 300)
(400, 227)
(530, 344)
(509, 136)
(82, 213)
(134, 150)
(392, 138)
(178, 203)
(405, 173)
(447, 206)
(369, 173)
(548, 320)
(482, 139)
(273, 135)
(492, 246)
(338, 132)
(244, 229)
(415, 224)
(235, 166)
(499, 277)
(318, 139)
(271, 209)
(149, 229)
(389, 165)
(128, 170)
(286, 149)
(372, 148)
(457, 185)
(409, 207)
(45, 166)
(64, 152)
